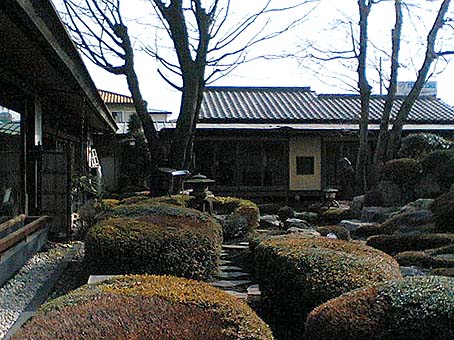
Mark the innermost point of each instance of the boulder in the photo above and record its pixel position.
(358, 203)
(296, 222)
(286, 212)
(305, 232)
(353, 225)
(375, 214)
(308, 216)
(391, 193)
(269, 222)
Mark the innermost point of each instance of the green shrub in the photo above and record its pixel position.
(373, 198)
(146, 307)
(397, 243)
(443, 211)
(420, 144)
(341, 232)
(440, 165)
(155, 239)
(297, 274)
(415, 308)
(401, 171)
(242, 216)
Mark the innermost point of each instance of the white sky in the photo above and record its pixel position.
(289, 72)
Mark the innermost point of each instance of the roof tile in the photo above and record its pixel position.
(300, 104)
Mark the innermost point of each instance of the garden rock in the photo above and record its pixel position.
(391, 193)
(285, 213)
(269, 222)
(308, 216)
(358, 203)
(375, 214)
(419, 204)
(412, 271)
(296, 222)
(353, 225)
(301, 232)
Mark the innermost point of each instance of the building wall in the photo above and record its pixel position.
(301, 146)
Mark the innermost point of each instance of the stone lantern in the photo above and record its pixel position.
(200, 184)
(330, 198)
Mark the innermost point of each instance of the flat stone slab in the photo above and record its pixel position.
(245, 243)
(242, 296)
(230, 268)
(234, 247)
(254, 290)
(98, 278)
(232, 275)
(229, 284)
(225, 262)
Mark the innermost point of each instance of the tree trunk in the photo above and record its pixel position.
(365, 93)
(380, 150)
(151, 135)
(431, 55)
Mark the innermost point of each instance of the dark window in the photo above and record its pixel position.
(304, 165)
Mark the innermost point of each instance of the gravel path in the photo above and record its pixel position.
(17, 292)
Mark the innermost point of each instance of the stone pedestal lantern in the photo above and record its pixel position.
(200, 184)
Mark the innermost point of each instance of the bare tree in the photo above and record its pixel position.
(204, 41)
(201, 40)
(388, 142)
(430, 56)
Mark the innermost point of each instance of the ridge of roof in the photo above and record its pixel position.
(259, 88)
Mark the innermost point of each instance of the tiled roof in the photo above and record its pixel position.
(115, 98)
(300, 104)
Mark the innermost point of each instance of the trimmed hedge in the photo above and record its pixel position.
(410, 309)
(146, 307)
(297, 274)
(397, 243)
(443, 210)
(418, 145)
(242, 216)
(155, 239)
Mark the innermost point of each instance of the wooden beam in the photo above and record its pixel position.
(21, 234)
(8, 224)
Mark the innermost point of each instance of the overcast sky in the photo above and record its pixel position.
(324, 28)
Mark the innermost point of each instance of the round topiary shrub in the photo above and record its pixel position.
(401, 171)
(242, 216)
(155, 239)
(410, 309)
(443, 212)
(297, 274)
(146, 307)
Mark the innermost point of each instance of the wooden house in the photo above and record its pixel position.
(56, 112)
(289, 141)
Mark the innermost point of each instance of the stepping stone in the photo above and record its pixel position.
(245, 243)
(225, 262)
(230, 268)
(229, 284)
(242, 296)
(98, 278)
(234, 247)
(254, 290)
(232, 275)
